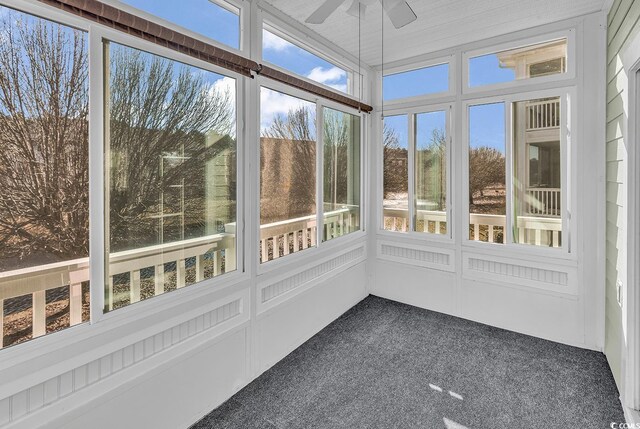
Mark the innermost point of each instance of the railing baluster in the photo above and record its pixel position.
(538, 236)
(490, 233)
(555, 239)
(110, 294)
(39, 313)
(314, 233)
(263, 248)
(404, 224)
(134, 286)
(75, 304)
(159, 279)
(217, 263)
(296, 241)
(521, 232)
(276, 247)
(476, 232)
(305, 242)
(199, 268)
(181, 273)
(285, 243)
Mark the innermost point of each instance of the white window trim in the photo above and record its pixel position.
(570, 240)
(321, 246)
(411, 114)
(569, 34)
(427, 97)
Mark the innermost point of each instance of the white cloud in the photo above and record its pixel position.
(273, 42)
(339, 86)
(327, 76)
(274, 103)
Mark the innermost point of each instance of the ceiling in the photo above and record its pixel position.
(441, 24)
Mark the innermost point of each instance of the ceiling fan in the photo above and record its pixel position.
(399, 11)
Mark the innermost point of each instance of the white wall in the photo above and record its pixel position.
(515, 289)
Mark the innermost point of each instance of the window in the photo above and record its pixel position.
(427, 80)
(289, 56)
(171, 173)
(341, 173)
(537, 172)
(287, 174)
(44, 175)
(395, 197)
(542, 59)
(201, 16)
(487, 173)
(430, 175)
(536, 165)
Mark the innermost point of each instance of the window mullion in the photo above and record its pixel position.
(411, 171)
(508, 112)
(319, 173)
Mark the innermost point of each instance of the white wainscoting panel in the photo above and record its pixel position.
(44, 398)
(281, 329)
(547, 276)
(421, 256)
(274, 290)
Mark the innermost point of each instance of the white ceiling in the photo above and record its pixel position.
(441, 24)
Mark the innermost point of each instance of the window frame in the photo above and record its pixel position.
(228, 5)
(450, 60)
(337, 242)
(568, 248)
(521, 84)
(98, 182)
(305, 42)
(411, 114)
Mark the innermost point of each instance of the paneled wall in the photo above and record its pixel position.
(623, 31)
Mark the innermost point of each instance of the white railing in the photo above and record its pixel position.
(282, 238)
(396, 219)
(215, 254)
(541, 231)
(543, 201)
(543, 115)
(140, 273)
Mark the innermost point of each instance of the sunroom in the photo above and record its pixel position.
(334, 214)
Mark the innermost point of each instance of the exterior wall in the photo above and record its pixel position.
(623, 25)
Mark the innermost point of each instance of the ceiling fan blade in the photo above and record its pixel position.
(399, 12)
(323, 12)
(357, 8)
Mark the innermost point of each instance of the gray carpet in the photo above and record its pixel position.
(388, 365)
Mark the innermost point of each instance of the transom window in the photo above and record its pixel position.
(427, 80)
(219, 21)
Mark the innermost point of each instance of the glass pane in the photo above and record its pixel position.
(171, 165)
(520, 63)
(428, 80)
(395, 199)
(537, 172)
(487, 185)
(341, 165)
(431, 173)
(201, 16)
(285, 54)
(44, 176)
(287, 174)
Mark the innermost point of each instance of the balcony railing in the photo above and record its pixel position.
(543, 201)
(541, 231)
(543, 115)
(282, 238)
(141, 273)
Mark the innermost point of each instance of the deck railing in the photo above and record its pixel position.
(543, 115)
(543, 201)
(189, 258)
(140, 273)
(541, 231)
(282, 238)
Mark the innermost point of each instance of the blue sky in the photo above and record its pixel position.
(486, 123)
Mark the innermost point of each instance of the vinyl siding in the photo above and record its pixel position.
(623, 23)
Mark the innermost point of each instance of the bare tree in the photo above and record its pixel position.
(431, 170)
(43, 141)
(395, 174)
(486, 168)
(161, 115)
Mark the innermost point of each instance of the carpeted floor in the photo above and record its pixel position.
(388, 365)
